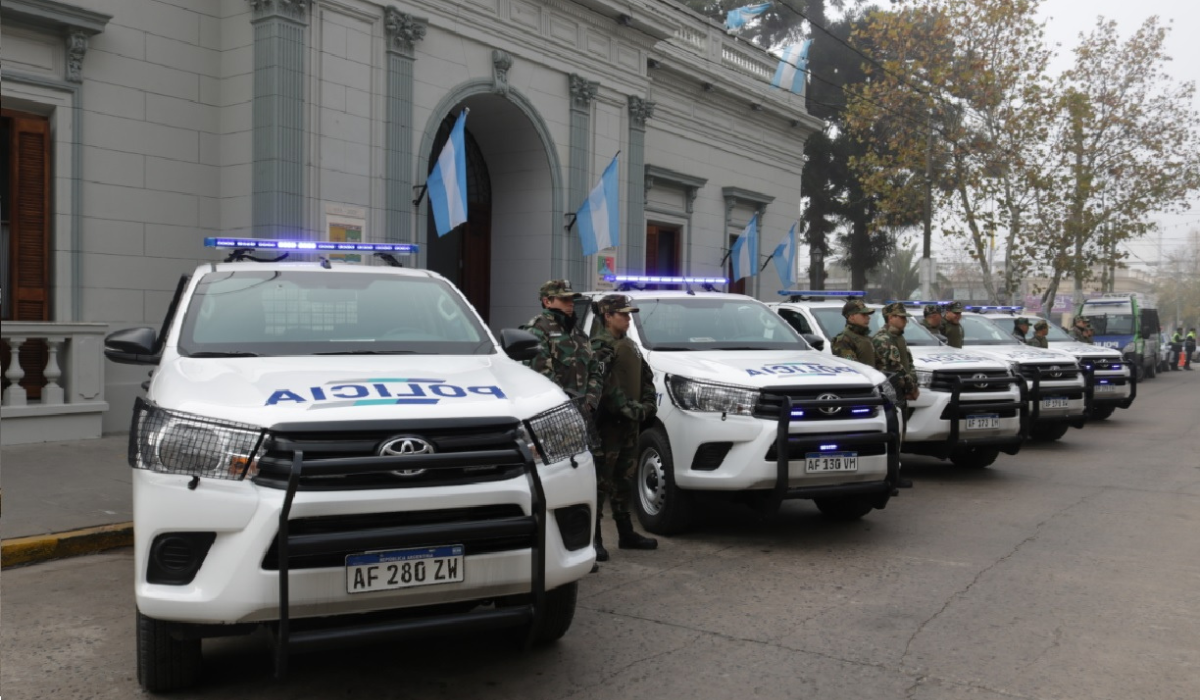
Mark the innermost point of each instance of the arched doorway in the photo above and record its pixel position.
(511, 241)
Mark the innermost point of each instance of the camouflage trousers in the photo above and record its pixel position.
(616, 462)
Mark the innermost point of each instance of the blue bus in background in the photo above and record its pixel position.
(1127, 322)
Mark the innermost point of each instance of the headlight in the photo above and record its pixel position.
(181, 443)
(711, 397)
(557, 434)
(888, 391)
(924, 378)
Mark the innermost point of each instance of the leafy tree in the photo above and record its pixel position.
(900, 274)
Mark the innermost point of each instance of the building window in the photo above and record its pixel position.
(662, 249)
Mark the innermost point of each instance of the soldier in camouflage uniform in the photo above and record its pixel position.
(1040, 330)
(1079, 330)
(893, 359)
(565, 357)
(1020, 330)
(628, 400)
(950, 324)
(854, 342)
(933, 319)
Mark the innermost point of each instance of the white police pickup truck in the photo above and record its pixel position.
(1112, 379)
(746, 407)
(345, 452)
(970, 408)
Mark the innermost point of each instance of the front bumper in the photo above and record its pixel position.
(1079, 398)
(1124, 382)
(938, 428)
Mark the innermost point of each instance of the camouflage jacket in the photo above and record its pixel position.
(892, 356)
(953, 333)
(854, 343)
(1080, 335)
(629, 383)
(936, 330)
(1038, 341)
(566, 357)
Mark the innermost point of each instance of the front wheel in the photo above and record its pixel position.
(843, 509)
(558, 613)
(1048, 432)
(662, 507)
(1102, 413)
(974, 457)
(163, 662)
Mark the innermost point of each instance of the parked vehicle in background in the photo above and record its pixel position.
(1128, 323)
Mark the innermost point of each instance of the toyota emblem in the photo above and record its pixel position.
(1055, 371)
(979, 375)
(406, 446)
(829, 410)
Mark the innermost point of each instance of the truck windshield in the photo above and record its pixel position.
(304, 312)
(1112, 324)
(713, 323)
(832, 322)
(978, 330)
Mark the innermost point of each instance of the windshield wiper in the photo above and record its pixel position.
(671, 348)
(224, 354)
(744, 347)
(369, 352)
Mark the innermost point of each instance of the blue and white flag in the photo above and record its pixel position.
(785, 259)
(744, 255)
(599, 217)
(792, 72)
(737, 18)
(448, 182)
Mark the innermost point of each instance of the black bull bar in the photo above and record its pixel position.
(1089, 371)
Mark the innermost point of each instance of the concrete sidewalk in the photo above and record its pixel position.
(65, 498)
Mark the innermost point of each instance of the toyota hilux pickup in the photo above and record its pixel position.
(747, 408)
(345, 452)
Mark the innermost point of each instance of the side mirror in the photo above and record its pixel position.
(814, 340)
(518, 344)
(132, 346)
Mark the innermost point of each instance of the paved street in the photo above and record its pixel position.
(1069, 571)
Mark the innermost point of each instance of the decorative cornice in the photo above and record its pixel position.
(736, 195)
(689, 184)
(583, 91)
(403, 30)
(501, 62)
(295, 10)
(77, 46)
(52, 15)
(640, 111)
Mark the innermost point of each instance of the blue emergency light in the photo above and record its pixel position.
(828, 448)
(820, 293)
(917, 302)
(310, 246)
(655, 279)
(995, 308)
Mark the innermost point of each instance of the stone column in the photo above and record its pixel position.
(403, 32)
(280, 48)
(640, 111)
(583, 93)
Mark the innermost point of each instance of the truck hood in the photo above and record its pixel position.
(1084, 350)
(270, 390)
(761, 368)
(1021, 353)
(945, 357)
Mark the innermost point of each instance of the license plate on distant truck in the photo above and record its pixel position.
(1106, 388)
(822, 462)
(983, 421)
(1054, 402)
(404, 568)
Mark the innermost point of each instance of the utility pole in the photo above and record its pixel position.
(926, 270)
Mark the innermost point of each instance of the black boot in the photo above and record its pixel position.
(629, 539)
(601, 552)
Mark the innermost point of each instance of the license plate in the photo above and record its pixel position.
(1106, 388)
(1054, 402)
(404, 568)
(983, 421)
(820, 462)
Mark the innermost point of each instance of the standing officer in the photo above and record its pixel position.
(933, 319)
(1079, 329)
(1176, 348)
(1020, 330)
(854, 342)
(1040, 330)
(950, 324)
(893, 358)
(565, 357)
(628, 399)
(1189, 348)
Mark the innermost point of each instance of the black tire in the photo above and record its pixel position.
(559, 612)
(1152, 370)
(1102, 412)
(974, 457)
(843, 509)
(165, 663)
(662, 507)
(1048, 432)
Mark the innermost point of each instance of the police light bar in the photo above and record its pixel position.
(995, 308)
(1106, 302)
(820, 293)
(917, 302)
(310, 246)
(653, 279)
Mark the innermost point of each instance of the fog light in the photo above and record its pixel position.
(175, 557)
(575, 525)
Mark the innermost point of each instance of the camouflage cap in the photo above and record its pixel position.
(1021, 321)
(1041, 326)
(557, 288)
(616, 303)
(895, 308)
(1086, 321)
(954, 307)
(856, 306)
(931, 309)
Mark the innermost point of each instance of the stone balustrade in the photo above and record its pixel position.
(70, 393)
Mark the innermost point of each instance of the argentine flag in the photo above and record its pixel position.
(793, 68)
(744, 255)
(785, 259)
(448, 182)
(737, 18)
(599, 218)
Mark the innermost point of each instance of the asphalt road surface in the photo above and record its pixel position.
(1069, 571)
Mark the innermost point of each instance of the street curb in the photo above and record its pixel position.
(39, 548)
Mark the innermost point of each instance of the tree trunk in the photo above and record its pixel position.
(977, 240)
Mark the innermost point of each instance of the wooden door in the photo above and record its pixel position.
(476, 280)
